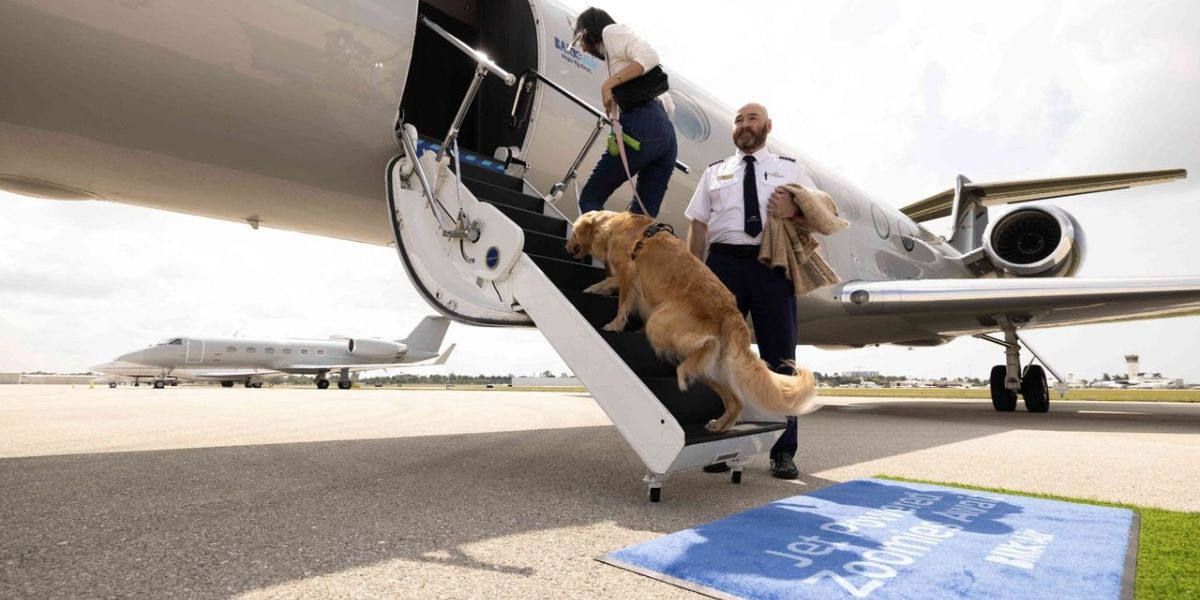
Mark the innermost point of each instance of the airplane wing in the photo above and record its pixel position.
(1014, 192)
(223, 374)
(955, 307)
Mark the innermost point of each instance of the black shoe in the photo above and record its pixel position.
(782, 467)
(720, 467)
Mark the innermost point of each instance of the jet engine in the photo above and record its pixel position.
(375, 348)
(1038, 241)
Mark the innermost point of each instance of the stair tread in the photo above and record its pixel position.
(498, 195)
(697, 434)
(531, 221)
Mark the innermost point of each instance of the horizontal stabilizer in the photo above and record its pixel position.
(1013, 192)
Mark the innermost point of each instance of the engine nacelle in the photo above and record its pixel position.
(375, 348)
(1037, 241)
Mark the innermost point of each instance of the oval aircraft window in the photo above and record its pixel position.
(269, 351)
(287, 350)
(906, 235)
(320, 352)
(882, 226)
(250, 350)
(689, 117)
(304, 351)
(231, 349)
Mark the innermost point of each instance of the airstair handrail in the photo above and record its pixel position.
(480, 58)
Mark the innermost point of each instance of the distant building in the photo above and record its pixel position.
(861, 374)
(52, 379)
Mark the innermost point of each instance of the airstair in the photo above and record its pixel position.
(484, 248)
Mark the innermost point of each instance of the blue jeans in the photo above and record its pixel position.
(767, 295)
(653, 163)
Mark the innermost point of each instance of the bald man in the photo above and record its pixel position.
(728, 213)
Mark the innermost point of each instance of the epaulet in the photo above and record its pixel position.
(717, 162)
(787, 158)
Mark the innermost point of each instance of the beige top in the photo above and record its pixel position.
(622, 46)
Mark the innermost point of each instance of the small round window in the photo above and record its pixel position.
(906, 235)
(287, 350)
(689, 117)
(269, 350)
(320, 352)
(250, 350)
(882, 226)
(304, 351)
(231, 349)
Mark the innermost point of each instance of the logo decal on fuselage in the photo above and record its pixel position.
(582, 60)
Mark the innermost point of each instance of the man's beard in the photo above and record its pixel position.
(756, 140)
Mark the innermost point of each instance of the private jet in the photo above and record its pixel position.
(454, 132)
(230, 360)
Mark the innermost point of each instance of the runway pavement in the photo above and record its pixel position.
(290, 493)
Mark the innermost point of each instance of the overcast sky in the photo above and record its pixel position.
(897, 97)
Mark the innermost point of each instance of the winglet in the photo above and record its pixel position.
(441, 359)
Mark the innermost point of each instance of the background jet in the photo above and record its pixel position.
(242, 359)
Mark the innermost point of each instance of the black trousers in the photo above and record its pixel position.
(768, 297)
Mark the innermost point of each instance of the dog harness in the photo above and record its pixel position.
(652, 230)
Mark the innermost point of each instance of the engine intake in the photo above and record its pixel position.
(373, 348)
(1038, 241)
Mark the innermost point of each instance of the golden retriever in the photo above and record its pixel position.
(691, 317)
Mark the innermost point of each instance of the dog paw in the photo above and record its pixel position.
(683, 385)
(712, 425)
(595, 289)
(615, 326)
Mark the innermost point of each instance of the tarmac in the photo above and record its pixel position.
(205, 492)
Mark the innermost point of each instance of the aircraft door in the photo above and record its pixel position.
(195, 352)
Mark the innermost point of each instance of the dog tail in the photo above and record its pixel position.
(753, 382)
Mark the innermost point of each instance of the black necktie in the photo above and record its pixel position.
(753, 219)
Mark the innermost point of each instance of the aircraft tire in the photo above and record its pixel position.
(112, 385)
(322, 384)
(257, 385)
(1035, 390)
(655, 494)
(343, 385)
(158, 385)
(248, 384)
(1003, 399)
(226, 384)
(736, 477)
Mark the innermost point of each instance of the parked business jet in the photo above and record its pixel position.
(116, 371)
(468, 121)
(230, 360)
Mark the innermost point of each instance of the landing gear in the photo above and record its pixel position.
(1003, 399)
(226, 384)
(1034, 390)
(248, 384)
(344, 379)
(159, 384)
(343, 385)
(1007, 380)
(112, 385)
(256, 385)
(322, 384)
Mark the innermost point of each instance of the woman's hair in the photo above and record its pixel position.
(592, 23)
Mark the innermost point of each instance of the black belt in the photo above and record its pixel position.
(738, 250)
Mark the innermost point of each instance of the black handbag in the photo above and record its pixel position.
(641, 89)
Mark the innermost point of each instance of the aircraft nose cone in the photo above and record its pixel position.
(137, 356)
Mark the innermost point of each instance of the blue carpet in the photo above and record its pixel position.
(880, 539)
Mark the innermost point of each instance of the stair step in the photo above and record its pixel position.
(569, 275)
(530, 221)
(697, 434)
(599, 310)
(471, 172)
(697, 406)
(635, 350)
(549, 246)
(498, 195)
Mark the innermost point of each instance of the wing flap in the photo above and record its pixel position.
(1013, 192)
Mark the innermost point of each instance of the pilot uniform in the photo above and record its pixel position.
(732, 199)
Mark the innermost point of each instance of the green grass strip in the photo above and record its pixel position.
(1168, 544)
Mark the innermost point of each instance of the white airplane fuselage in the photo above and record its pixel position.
(282, 355)
(283, 116)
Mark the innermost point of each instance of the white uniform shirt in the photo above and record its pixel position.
(718, 200)
(622, 46)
